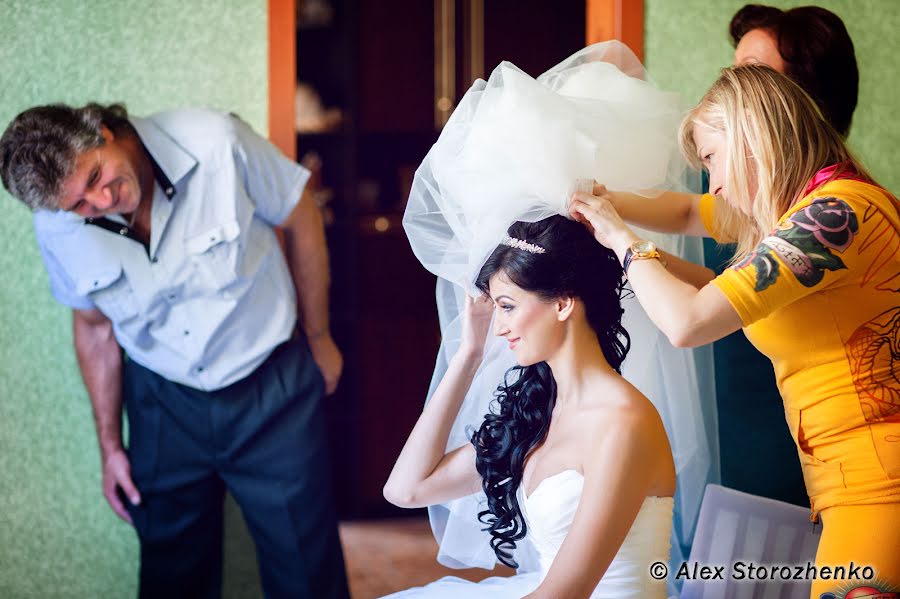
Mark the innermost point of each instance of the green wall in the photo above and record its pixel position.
(58, 538)
(686, 43)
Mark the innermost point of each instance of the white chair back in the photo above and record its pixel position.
(738, 527)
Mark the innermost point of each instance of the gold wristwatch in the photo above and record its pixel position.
(641, 249)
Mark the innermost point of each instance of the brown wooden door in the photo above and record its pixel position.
(387, 64)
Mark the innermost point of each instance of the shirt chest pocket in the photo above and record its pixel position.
(215, 256)
(111, 292)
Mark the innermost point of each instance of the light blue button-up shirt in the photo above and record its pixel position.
(214, 296)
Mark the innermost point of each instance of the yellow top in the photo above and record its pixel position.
(819, 297)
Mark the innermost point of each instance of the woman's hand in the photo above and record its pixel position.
(597, 213)
(425, 473)
(476, 322)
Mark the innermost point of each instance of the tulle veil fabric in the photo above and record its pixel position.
(515, 148)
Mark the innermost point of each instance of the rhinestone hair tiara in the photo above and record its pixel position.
(523, 245)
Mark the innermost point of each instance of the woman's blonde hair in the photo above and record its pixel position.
(776, 136)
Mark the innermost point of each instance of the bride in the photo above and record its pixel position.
(504, 471)
(572, 457)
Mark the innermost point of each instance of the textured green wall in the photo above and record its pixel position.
(57, 536)
(686, 43)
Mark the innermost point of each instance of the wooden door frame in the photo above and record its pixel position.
(617, 19)
(606, 19)
(282, 28)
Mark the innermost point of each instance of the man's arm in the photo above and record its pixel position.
(307, 256)
(100, 361)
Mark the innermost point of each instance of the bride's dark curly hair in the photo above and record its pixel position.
(573, 265)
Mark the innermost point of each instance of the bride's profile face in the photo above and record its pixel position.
(529, 323)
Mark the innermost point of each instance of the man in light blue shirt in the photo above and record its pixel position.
(159, 233)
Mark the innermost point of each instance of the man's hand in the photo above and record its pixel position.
(307, 256)
(328, 358)
(116, 475)
(100, 360)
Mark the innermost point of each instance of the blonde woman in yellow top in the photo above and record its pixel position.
(814, 284)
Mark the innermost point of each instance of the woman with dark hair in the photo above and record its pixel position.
(808, 44)
(572, 456)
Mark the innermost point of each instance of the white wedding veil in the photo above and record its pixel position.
(515, 149)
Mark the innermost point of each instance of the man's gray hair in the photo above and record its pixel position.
(39, 148)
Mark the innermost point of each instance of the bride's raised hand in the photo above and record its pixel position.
(476, 323)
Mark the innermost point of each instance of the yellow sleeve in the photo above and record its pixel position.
(708, 213)
(708, 216)
(814, 246)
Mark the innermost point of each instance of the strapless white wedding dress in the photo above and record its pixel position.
(549, 512)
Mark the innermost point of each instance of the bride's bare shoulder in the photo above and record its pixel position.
(616, 401)
(621, 409)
